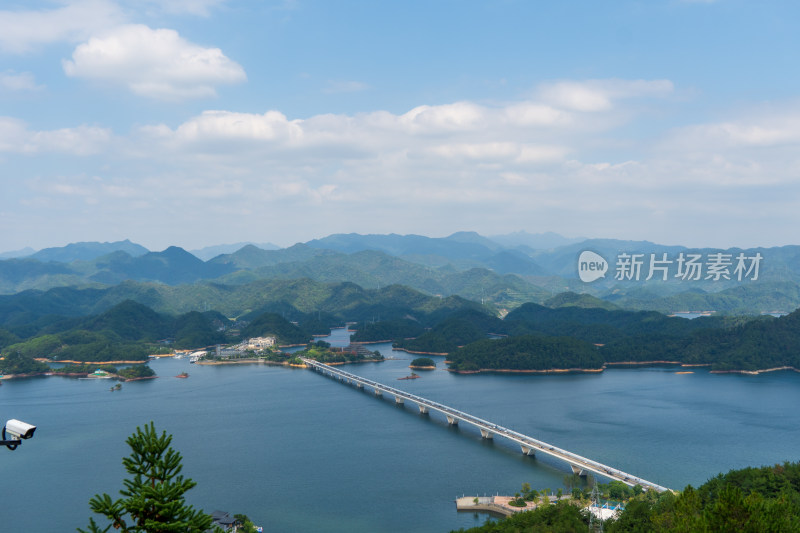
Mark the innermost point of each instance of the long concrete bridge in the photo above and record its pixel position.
(529, 445)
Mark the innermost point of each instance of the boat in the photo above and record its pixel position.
(183, 375)
(412, 376)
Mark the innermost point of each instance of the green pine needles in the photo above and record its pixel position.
(153, 498)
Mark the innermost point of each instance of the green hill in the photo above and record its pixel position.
(272, 324)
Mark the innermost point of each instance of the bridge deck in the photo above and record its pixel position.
(488, 429)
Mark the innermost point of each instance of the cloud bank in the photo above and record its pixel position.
(153, 63)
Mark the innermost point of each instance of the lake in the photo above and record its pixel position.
(300, 452)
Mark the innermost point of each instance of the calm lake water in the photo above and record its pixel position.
(299, 452)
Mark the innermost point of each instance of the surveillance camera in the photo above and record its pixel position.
(18, 429)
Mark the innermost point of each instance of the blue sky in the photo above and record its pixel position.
(197, 122)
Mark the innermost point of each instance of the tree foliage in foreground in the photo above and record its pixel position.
(153, 498)
(755, 500)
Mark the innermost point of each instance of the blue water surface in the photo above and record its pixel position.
(300, 452)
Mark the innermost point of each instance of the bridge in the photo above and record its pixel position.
(529, 445)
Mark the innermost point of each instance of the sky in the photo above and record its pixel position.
(201, 122)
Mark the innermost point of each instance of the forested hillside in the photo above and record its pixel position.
(757, 500)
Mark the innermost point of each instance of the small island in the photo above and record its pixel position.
(423, 363)
(319, 351)
(136, 372)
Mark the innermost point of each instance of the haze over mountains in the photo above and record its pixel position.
(504, 271)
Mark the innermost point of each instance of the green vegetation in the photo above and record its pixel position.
(457, 330)
(154, 494)
(83, 369)
(565, 333)
(245, 524)
(560, 517)
(126, 332)
(129, 331)
(387, 330)
(758, 500)
(130, 321)
(136, 372)
(586, 301)
(517, 501)
(526, 352)
(765, 499)
(297, 300)
(41, 346)
(195, 329)
(322, 352)
(16, 363)
(275, 324)
(598, 325)
(7, 338)
(422, 362)
(758, 344)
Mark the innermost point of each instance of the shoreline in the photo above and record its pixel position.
(622, 364)
(520, 371)
(71, 362)
(278, 363)
(417, 353)
(500, 504)
(238, 362)
(755, 372)
(632, 363)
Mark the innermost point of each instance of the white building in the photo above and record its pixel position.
(259, 343)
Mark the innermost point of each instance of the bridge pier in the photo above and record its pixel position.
(579, 465)
(527, 450)
(578, 471)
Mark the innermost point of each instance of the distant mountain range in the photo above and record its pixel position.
(12, 254)
(504, 271)
(86, 251)
(209, 252)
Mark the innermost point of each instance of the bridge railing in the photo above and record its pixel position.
(570, 457)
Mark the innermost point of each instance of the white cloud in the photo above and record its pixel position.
(536, 163)
(448, 117)
(216, 125)
(764, 130)
(22, 81)
(517, 133)
(536, 114)
(153, 63)
(81, 140)
(20, 31)
(599, 95)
